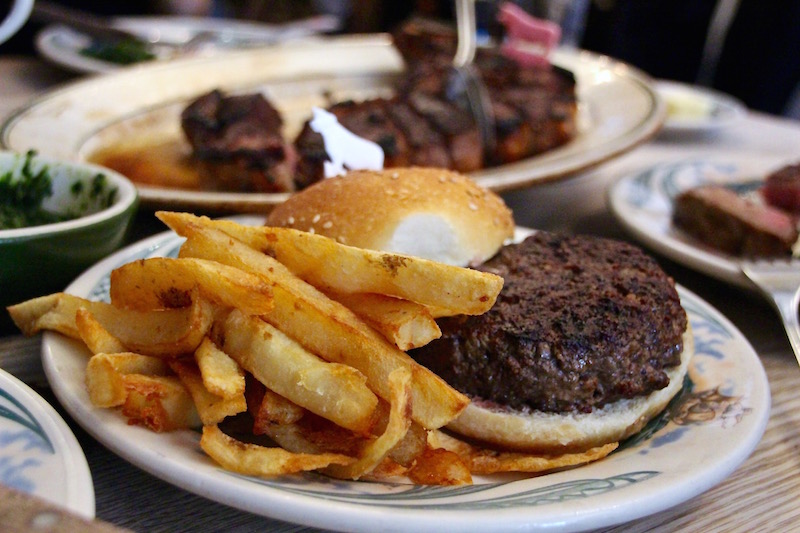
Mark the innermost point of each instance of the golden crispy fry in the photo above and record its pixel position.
(329, 329)
(160, 403)
(211, 408)
(437, 466)
(284, 366)
(221, 374)
(327, 264)
(94, 335)
(164, 332)
(405, 324)
(104, 375)
(399, 421)
(488, 461)
(253, 460)
(268, 407)
(167, 283)
(413, 444)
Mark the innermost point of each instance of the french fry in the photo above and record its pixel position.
(167, 283)
(285, 367)
(253, 460)
(159, 403)
(94, 335)
(325, 263)
(405, 324)
(105, 375)
(488, 461)
(327, 328)
(221, 375)
(211, 408)
(399, 421)
(268, 407)
(163, 332)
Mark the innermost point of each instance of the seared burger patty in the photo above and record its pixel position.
(581, 322)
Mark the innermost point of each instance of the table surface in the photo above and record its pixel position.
(761, 495)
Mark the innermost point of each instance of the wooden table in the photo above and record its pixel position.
(761, 495)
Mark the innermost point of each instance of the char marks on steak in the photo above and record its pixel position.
(580, 322)
(535, 108)
(722, 219)
(240, 137)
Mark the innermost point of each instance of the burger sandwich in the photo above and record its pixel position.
(586, 342)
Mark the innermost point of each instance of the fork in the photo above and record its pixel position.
(780, 281)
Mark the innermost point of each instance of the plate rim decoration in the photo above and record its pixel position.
(25, 415)
(618, 108)
(643, 477)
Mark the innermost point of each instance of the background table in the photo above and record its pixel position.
(762, 494)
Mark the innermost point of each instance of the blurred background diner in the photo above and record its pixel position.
(746, 48)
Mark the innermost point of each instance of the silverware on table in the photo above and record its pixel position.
(779, 280)
(464, 84)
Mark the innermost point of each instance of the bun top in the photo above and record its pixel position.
(425, 212)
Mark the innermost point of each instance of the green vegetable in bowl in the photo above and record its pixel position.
(24, 191)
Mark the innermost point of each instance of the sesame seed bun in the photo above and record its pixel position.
(426, 212)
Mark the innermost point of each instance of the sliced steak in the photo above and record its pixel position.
(782, 188)
(240, 135)
(723, 220)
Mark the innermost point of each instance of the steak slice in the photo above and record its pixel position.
(722, 219)
(782, 188)
(240, 136)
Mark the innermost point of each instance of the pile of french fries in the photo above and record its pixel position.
(288, 349)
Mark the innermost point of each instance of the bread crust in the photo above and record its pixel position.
(429, 212)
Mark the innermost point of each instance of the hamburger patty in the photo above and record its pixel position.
(580, 322)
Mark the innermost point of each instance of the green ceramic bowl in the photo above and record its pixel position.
(98, 203)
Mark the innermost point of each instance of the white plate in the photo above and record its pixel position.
(39, 454)
(693, 109)
(618, 109)
(642, 203)
(674, 459)
(63, 45)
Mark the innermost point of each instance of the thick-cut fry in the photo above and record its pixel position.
(399, 421)
(164, 332)
(166, 283)
(253, 460)
(284, 366)
(488, 461)
(104, 375)
(94, 335)
(329, 329)
(325, 263)
(405, 324)
(269, 408)
(160, 403)
(212, 409)
(221, 374)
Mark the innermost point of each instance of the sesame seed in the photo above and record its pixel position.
(473, 206)
(290, 220)
(315, 219)
(327, 225)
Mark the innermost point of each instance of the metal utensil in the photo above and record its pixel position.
(464, 85)
(780, 282)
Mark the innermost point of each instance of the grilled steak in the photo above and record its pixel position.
(728, 222)
(580, 322)
(240, 135)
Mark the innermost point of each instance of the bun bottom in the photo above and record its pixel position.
(540, 432)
